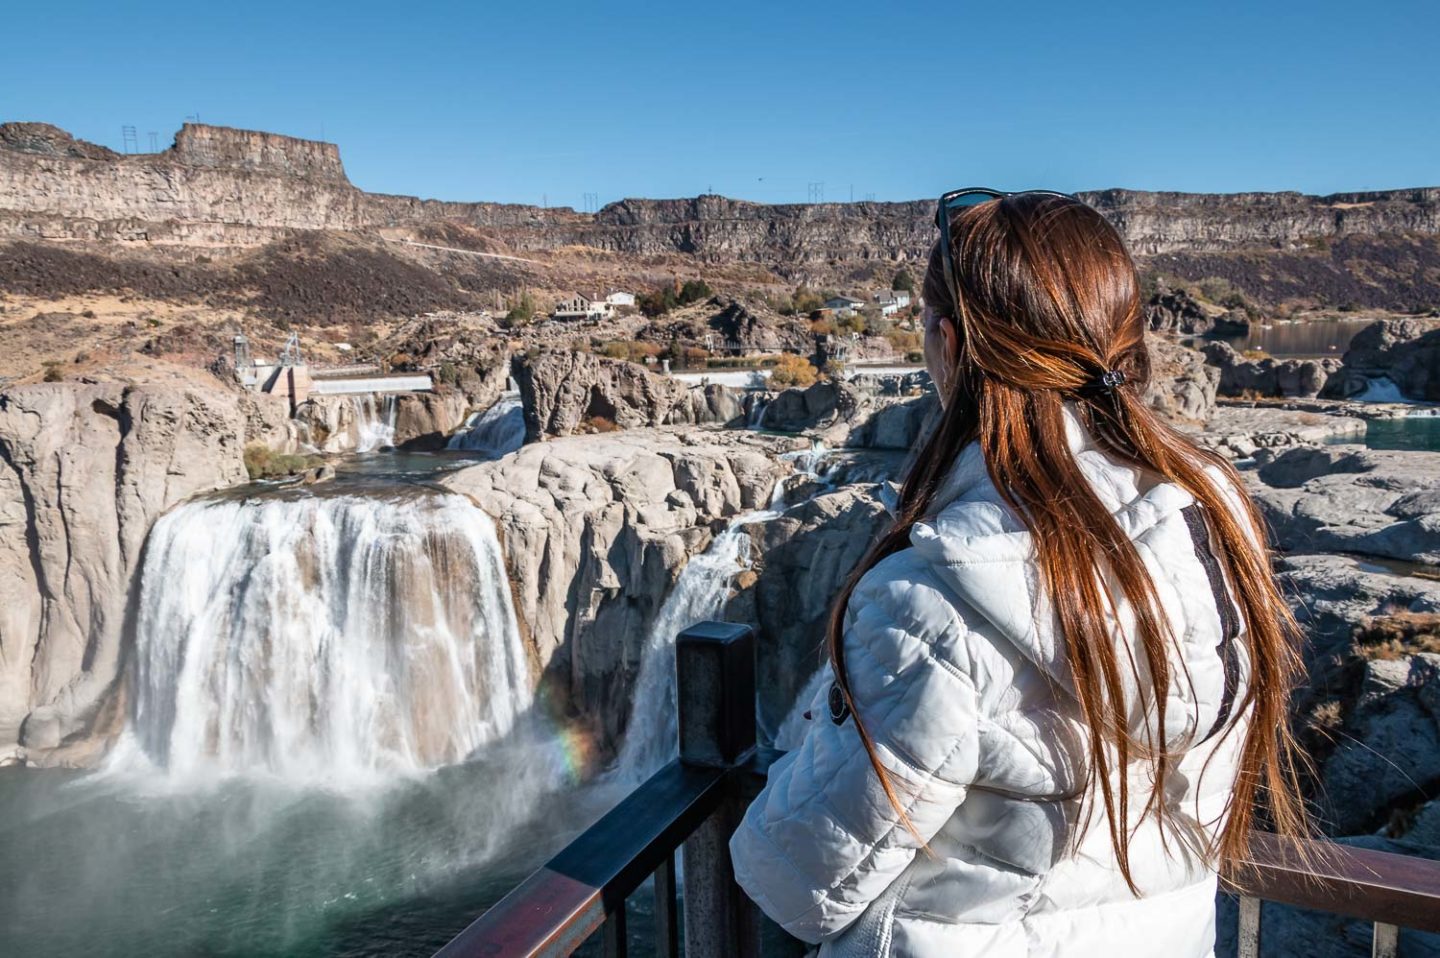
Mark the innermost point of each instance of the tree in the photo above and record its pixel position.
(695, 291)
(903, 281)
(521, 314)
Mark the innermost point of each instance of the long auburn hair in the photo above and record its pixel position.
(1049, 301)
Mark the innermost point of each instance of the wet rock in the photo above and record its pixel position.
(1406, 352)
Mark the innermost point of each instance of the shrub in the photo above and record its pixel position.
(52, 371)
(599, 424)
(447, 374)
(822, 327)
(915, 357)
(905, 340)
(792, 370)
(695, 291)
(629, 349)
(903, 281)
(263, 463)
(806, 300)
(521, 314)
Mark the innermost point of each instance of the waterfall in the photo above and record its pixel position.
(496, 432)
(809, 464)
(699, 593)
(324, 639)
(374, 418)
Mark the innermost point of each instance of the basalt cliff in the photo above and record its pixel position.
(223, 188)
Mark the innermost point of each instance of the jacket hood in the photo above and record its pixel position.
(981, 550)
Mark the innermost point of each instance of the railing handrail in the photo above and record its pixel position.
(1356, 882)
(565, 901)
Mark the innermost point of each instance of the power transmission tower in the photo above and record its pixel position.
(154, 141)
(127, 137)
(816, 191)
(592, 202)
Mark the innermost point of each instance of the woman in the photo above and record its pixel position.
(1061, 677)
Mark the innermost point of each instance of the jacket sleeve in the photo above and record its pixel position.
(822, 840)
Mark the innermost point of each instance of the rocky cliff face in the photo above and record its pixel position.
(568, 392)
(1402, 352)
(84, 472)
(219, 186)
(595, 530)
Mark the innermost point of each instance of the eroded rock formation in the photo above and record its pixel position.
(566, 392)
(84, 472)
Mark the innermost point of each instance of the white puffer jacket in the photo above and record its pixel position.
(957, 669)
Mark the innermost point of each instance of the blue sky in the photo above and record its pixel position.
(532, 101)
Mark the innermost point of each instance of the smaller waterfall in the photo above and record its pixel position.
(809, 464)
(496, 432)
(374, 421)
(699, 593)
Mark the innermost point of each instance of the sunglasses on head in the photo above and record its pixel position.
(959, 200)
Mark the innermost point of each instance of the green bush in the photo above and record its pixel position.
(903, 281)
(521, 314)
(261, 462)
(53, 373)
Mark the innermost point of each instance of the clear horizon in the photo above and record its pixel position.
(566, 105)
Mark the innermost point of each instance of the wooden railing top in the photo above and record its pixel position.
(1357, 882)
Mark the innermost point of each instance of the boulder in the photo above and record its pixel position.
(568, 392)
(1351, 499)
(1181, 385)
(1404, 352)
(1239, 376)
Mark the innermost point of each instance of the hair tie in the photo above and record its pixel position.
(1107, 382)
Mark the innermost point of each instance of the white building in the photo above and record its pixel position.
(580, 306)
(844, 305)
(891, 301)
(620, 299)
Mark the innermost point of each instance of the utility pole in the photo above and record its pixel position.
(127, 138)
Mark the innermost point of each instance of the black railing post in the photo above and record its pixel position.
(715, 682)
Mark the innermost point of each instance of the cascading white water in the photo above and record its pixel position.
(809, 464)
(496, 432)
(699, 593)
(374, 421)
(324, 640)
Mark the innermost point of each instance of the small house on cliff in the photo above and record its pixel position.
(581, 306)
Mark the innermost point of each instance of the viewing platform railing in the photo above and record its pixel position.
(694, 804)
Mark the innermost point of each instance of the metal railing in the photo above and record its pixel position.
(695, 803)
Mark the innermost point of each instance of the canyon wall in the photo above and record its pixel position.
(84, 473)
(218, 186)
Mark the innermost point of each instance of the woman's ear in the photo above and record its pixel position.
(952, 341)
